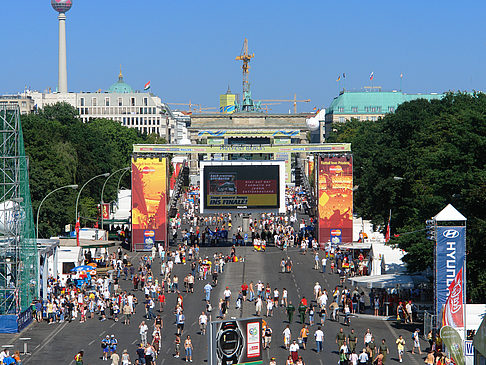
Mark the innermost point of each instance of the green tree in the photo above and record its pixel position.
(63, 150)
(415, 162)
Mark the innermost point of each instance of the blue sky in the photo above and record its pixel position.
(187, 49)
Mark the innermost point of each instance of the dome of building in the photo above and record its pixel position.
(120, 86)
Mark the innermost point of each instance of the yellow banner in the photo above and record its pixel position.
(242, 200)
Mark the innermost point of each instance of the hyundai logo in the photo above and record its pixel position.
(450, 233)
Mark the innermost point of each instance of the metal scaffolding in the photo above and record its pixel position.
(18, 249)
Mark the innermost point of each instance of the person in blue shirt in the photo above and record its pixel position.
(105, 347)
(113, 344)
(8, 360)
(207, 290)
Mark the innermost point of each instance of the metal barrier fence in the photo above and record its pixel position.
(429, 323)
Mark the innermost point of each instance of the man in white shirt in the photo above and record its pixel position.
(143, 332)
(317, 290)
(363, 357)
(319, 336)
(324, 263)
(408, 308)
(227, 296)
(203, 321)
(287, 337)
(294, 349)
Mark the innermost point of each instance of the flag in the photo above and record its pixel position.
(387, 235)
(452, 315)
(315, 108)
(147, 86)
(372, 75)
(339, 78)
(401, 75)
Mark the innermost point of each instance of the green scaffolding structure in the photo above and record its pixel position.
(18, 248)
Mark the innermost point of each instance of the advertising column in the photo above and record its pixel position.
(149, 202)
(335, 194)
(236, 341)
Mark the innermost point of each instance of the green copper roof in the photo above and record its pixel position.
(120, 86)
(373, 102)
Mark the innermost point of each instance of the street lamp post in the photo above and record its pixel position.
(103, 190)
(80, 190)
(119, 180)
(42, 201)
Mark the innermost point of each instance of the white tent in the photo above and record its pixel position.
(402, 281)
(386, 259)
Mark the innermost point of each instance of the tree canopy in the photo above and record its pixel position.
(63, 150)
(416, 161)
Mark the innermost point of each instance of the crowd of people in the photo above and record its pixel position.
(136, 286)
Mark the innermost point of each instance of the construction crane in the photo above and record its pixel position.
(265, 107)
(194, 107)
(245, 57)
(294, 100)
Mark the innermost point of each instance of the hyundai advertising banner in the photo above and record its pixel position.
(236, 341)
(450, 256)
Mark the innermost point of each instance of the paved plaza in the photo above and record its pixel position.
(58, 343)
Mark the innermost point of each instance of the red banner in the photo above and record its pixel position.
(335, 191)
(453, 314)
(177, 168)
(149, 201)
(106, 211)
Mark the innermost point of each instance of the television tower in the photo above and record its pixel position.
(62, 6)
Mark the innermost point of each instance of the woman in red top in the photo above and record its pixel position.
(303, 301)
(244, 291)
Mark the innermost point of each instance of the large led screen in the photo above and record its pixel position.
(242, 185)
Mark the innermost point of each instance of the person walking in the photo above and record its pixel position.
(400, 347)
(287, 336)
(258, 306)
(267, 337)
(302, 312)
(78, 359)
(290, 311)
(319, 336)
(323, 264)
(188, 347)
(203, 322)
(207, 291)
(143, 329)
(383, 350)
(352, 340)
(115, 358)
(180, 321)
(177, 346)
(363, 357)
(416, 342)
(105, 347)
(340, 338)
(304, 333)
(294, 351)
(125, 359)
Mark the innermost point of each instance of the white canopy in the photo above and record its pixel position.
(449, 213)
(388, 281)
